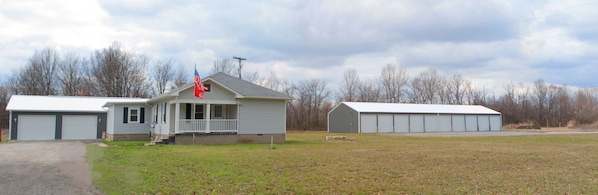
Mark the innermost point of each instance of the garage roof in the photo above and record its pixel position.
(64, 103)
(370, 107)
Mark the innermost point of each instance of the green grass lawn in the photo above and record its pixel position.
(307, 164)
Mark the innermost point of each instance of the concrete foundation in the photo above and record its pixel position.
(228, 139)
(127, 137)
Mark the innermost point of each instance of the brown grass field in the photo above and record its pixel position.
(362, 164)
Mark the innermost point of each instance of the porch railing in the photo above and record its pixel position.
(199, 125)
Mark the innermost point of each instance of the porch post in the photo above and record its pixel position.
(208, 116)
(177, 113)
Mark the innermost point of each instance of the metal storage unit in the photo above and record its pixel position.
(369, 123)
(394, 117)
(471, 123)
(416, 123)
(385, 123)
(458, 122)
(401, 122)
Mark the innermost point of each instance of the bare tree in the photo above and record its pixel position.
(456, 89)
(392, 80)
(349, 84)
(180, 77)
(119, 73)
(225, 66)
(162, 74)
(71, 75)
(368, 91)
(425, 87)
(311, 96)
(38, 77)
(4, 97)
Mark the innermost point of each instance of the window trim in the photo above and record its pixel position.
(201, 111)
(138, 114)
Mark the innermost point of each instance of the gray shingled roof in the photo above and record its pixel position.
(246, 89)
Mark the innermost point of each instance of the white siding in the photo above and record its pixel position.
(495, 123)
(471, 122)
(458, 122)
(36, 127)
(368, 123)
(401, 122)
(444, 123)
(431, 123)
(110, 120)
(216, 93)
(129, 128)
(385, 124)
(77, 127)
(416, 122)
(484, 122)
(262, 116)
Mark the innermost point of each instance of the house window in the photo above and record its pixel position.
(207, 88)
(134, 115)
(218, 111)
(156, 114)
(199, 111)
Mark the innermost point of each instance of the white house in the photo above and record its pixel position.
(232, 111)
(367, 117)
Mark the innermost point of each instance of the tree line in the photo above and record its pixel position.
(117, 72)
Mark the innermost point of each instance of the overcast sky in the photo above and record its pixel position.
(488, 42)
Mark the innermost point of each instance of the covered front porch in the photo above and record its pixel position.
(205, 118)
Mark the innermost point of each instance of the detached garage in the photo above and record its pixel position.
(57, 117)
(365, 117)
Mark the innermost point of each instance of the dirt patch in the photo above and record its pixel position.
(45, 168)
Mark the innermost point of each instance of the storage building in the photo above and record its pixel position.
(366, 117)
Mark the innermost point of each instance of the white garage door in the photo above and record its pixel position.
(431, 123)
(471, 123)
(368, 123)
(444, 123)
(458, 123)
(76, 127)
(495, 123)
(385, 123)
(401, 123)
(416, 122)
(36, 127)
(484, 122)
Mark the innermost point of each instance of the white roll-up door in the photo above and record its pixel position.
(368, 123)
(416, 122)
(484, 122)
(444, 123)
(36, 127)
(401, 122)
(78, 127)
(431, 122)
(458, 123)
(495, 123)
(471, 122)
(385, 123)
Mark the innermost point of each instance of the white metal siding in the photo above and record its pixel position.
(119, 127)
(368, 123)
(471, 122)
(495, 123)
(484, 122)
(77, 127)
(458, 122)
(401, 122)
(216, 93)
(262, 116)
(431, 123)
(416, 122)
(36, 127)
(385, 124)
(444, 123)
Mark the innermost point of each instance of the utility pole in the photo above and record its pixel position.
(240, 65)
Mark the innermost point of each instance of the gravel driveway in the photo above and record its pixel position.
(53, 167)
(490, 133)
